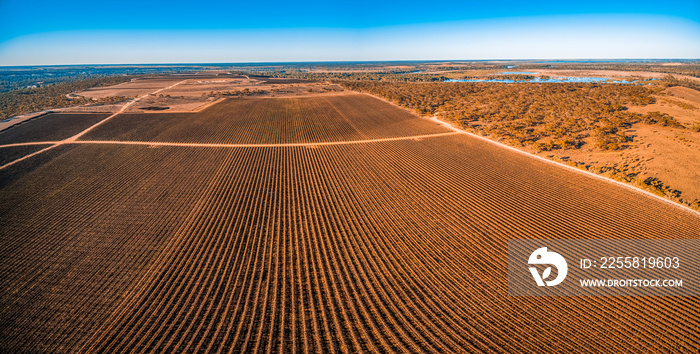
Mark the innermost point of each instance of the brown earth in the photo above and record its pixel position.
(265, 121)
(50, 127)
(386, 246)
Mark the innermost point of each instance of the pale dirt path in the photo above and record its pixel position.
(157, 143)
(29, 143)
(77, 136)
(348, 142)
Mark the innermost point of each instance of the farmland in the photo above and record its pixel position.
(54, 126)
(271, 121)
(331, 223)
(9, 154)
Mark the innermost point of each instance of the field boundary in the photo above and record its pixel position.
(23, 119)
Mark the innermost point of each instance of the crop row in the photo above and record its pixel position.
(393, 246)
(50, 127)
(271, 121)
(389, 247)
(79, 228)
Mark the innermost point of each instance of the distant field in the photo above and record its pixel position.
(271, 121)
(382, 246)
(50, 127)
(272, 80)
(9, 154)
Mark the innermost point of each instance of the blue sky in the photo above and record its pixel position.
(113, 32)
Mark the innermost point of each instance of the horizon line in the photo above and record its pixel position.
(601, 60)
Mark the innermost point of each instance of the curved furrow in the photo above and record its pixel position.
(154, 315)
(145, 283)
(217, 252)
(402, 304)
(382, 256)
(427, 198)
(257, 268)
(341, 269)
(81, 248)
(318, 230)
(243, 227)
(237, 206)
(272, 207)
(322, 329)
(386, 285)
(362, 245)
(152, 228)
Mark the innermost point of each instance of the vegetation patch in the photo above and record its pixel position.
(542, 116)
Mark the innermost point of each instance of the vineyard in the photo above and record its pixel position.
(365, 246)
(54, 126)
(271, 121)
(9, 154)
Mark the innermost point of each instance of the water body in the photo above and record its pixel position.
(519, 72)
(409, 72)
(558, 79)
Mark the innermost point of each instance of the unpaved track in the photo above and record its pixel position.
(158, 143)
(394, 244)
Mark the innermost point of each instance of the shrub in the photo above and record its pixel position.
(661, 118)
(695, 127)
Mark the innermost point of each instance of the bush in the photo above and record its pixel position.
(663, 119)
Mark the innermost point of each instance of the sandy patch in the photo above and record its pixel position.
(670, 154)
(681, 103)
(685, 93)
(134, 88)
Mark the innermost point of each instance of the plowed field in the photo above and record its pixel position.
(277, 121)
(53, 126)
(386, 246)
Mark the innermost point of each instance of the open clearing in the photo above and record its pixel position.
(359, 238)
